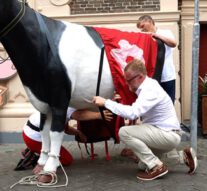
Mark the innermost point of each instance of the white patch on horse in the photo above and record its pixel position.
(126, 49)
(39, 105)
(81, 57)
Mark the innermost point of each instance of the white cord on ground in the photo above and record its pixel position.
(54, 176)
(26, 180)
(33, 180)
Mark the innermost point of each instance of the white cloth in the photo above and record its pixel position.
(70, 111)
(32, 134)
(168, 72)
(153, 105)
(34, 119)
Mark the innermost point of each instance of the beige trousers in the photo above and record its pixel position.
(149, 142)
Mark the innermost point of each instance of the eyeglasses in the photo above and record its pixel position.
(131, 79)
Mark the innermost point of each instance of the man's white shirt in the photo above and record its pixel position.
(168, 72)
(153, 105)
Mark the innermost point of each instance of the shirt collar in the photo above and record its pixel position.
(142, 85)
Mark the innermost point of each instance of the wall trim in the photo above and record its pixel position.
(119, 18)
(16, 137)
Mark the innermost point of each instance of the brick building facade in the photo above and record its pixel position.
(112, 6)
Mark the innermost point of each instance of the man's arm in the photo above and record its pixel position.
(125, 111)
(167, 40)
(72, 131)
(1, 101)
(85, 115)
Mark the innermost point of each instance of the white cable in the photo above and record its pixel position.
(33, 180)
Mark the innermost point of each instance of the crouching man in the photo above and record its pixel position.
(160, 130)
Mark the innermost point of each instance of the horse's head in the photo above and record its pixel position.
(11, 12)
(5, 11)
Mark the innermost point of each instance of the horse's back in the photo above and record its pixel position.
(81, 56)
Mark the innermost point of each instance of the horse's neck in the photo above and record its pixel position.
(8, 10)
(28, 31)
(11, 24)
(24, 44)
(15, 42)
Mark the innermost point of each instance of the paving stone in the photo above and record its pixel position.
(118, 174)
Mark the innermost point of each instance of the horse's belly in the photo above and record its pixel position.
(81, 57)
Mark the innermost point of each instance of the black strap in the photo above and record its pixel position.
(99, 81)
(33, 126)
(159, 61)
(101, 109)
(100, 72)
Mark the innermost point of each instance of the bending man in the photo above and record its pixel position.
(160, 129)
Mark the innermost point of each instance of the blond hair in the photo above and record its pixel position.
(136, 66)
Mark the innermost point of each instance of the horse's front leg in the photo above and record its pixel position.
(45, 125)
(56, 138)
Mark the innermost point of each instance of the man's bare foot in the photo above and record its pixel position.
(130, 154)
(134, 158)
(47, 178)
(127, 152)
(37, 169)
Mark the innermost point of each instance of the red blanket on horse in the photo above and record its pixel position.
(120, 47)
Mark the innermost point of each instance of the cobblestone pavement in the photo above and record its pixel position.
(118, 174)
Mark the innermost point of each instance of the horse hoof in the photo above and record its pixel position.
(38, 168)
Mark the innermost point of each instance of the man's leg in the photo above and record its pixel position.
(186, 156)
(142, 138)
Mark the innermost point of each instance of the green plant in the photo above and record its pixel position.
(203, 85)
(202, 92)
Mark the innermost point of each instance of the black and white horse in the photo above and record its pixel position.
(54, 76)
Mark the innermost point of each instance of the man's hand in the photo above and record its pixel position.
(117, 97)
(1, 100)
(99, 101)
(108, 115)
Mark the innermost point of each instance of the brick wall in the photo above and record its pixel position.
(113, 6)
